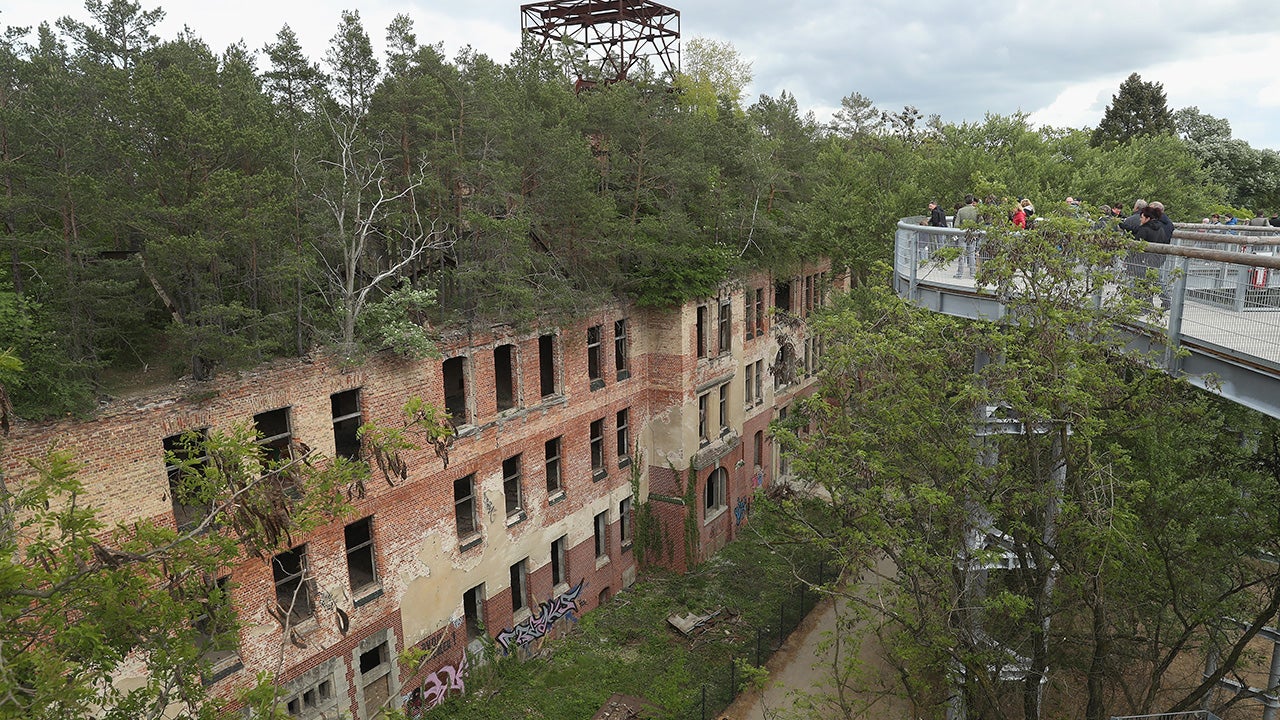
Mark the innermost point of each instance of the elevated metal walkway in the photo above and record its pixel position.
(1225, 305)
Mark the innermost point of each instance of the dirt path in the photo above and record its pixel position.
(798, 672)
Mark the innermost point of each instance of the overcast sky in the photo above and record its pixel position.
(1058, 61)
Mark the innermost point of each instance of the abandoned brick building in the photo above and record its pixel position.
(560, 434)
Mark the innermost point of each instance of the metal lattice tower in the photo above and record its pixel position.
(616, 34)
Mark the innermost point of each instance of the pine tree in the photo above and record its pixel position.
(1139, 108)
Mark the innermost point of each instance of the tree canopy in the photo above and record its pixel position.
(168, 209)
(1139, 108)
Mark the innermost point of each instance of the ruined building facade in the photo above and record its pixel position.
(562, 434)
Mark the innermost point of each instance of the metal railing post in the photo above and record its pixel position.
(1177, 304)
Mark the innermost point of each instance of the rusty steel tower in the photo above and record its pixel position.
(616, 34)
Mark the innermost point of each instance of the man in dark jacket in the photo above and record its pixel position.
(1134, 221)
(1165, 223)
(937, 218)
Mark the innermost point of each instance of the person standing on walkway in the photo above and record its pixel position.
(967, 217)
(938, 219)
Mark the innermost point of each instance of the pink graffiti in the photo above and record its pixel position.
(544, 617)
(435, 688)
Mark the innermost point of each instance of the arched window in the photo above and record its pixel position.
(717, 488)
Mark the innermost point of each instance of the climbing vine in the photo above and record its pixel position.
(648, 531)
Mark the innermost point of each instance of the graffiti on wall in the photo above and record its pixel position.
(435, 688)
(543, 618)
(741, 510)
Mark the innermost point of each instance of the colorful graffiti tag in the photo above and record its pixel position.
(435, 688)
(541, 621)
(741, 510)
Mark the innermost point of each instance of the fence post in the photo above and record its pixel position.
(759, 632)
(704, 702)
(733, 680)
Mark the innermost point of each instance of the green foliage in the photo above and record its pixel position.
(1125, 504)
(79, 597)
(397, 321)
(1138, 109)
(627, 646)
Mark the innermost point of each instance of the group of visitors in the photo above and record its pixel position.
(1260, 220)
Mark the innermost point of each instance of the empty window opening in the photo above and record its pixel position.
(553, 466)
(375, 680)
(704, 424)
(726, 329)
(717, 484)
(808, 294)
(185, 461)
(520, 585)
(602, 535)
(273, 433)
(759, 312)
(604, 596)
(464, 505)
(620, 359)
(293, 592)
(624, 435)
(702, 331)
(511, 485)
(597, 445)
(759, 382)
(559, 568)
(455, 390)
(749, 317)
(361, 570)
(624, 521)
(593, 355)
(504, 376)
(472, 605)
(757, 449)
(784, 366)
(346, 423)
(214, 638)
(749, 387)
(547, 365)
(782, 296)
(313, 702)
(724, 408)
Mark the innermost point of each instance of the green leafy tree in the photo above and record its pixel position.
(1139, 108)
(1034, 444)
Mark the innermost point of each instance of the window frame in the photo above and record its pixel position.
(715, 497)
(622, 429)
(506, 377)
(625, 520)
(520, 586)
(621, 350)
(704, 419)
(600, 527)
(513, 476)
(597, 448)
(595, 369)
(182, 447)
(724, 331)
(344, 436)
(469, 500)
(553, 465)
(367, 545)
(300, 606)
(724, 407)
(559, 561)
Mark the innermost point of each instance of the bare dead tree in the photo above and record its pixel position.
(376, 231)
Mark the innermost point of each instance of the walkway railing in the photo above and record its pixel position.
(1220, 290)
